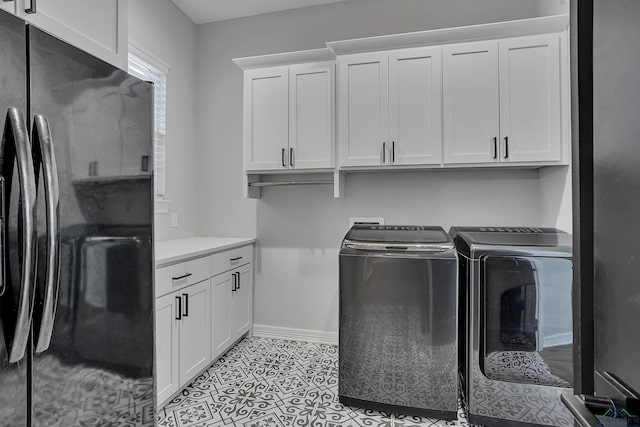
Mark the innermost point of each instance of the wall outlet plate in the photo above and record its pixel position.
(365, 220)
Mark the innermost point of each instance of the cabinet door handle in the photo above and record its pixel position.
(178, 308)
(284, 162)
(384, 152)
(32, 8)
(238, 279)
(233, 282)
(393, 151)
(235, 259)
(186, 305)
(506, 147)
(291, 157)
(495, 147)
(184, 276)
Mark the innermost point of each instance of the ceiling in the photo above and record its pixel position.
(203, 11)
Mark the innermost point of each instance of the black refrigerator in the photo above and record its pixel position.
(605, 50)
(76, 277)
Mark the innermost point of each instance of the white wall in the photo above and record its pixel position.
(552, 7)
(164, 31)
(299, 229)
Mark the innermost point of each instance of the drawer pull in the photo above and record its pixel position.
(184, 276)
(235, 259)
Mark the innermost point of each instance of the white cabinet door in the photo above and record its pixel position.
(99, 27)
(221, 286)
(195, 330)
(415, 106)
(311, 115)
(470, 102)
(242, 301)
(363, 109)
(167, 339)
(530, 99)
(266, 119)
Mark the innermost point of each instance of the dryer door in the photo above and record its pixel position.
(527, 320)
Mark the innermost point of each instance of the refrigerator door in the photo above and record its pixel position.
(13, 376)
(616, 185)
(94, 349)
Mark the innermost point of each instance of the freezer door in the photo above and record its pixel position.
(13, 376)
(94, 345)
(616, 187)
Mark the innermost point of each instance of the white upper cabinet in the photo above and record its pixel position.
(98, 27)
(289, 117)
(530, 109)
(266, 118)
(363, 109)
(470, 102)
(391, 108)
(415, 106)
(311, 116)
(502, 101)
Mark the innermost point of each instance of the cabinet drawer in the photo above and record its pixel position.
(230, 259)
(174, 277)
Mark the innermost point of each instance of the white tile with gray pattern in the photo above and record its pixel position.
(267, 382)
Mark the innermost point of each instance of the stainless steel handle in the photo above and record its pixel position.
(178, 308)
(43, 154)
(583, 416)
(291, 157)
(284, 161)
(495, 147)
(184, 276)
(384, 152)
(32, 8)
(186, 305)
(506, 147)
(16, 144)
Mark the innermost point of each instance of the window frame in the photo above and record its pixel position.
(143, 55)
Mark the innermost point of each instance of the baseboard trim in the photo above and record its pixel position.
(558, 339)
(293, 334)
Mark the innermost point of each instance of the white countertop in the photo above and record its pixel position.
(172, 251)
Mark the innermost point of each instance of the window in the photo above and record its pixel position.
(148, 68)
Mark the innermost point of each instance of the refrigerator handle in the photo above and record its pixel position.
(16, 145)
(44, 156)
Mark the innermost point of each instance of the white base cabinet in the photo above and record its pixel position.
(183, 336)
(197, 322)
(232, 302)
(167, 344)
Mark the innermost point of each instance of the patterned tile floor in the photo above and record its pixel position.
(266, 382)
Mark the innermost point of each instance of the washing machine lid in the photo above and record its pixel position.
(474, 241)
(398, 237)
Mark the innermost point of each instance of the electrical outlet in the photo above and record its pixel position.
(174, 219)
(365, 220)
